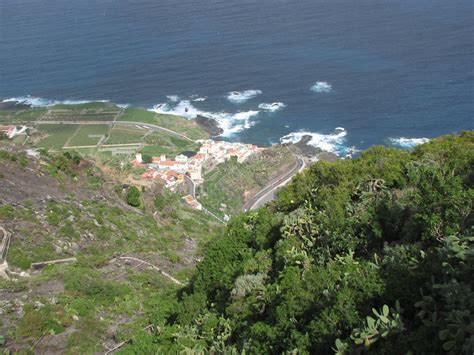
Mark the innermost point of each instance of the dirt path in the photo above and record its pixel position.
(72, 136)
(4, 245)
(143, 262)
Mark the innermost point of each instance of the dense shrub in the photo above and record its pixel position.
(372, 254)
(133, 196)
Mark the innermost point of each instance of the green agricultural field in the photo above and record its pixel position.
(87, 106)
(94, 111)
(122, 135)
(182, 125)
(176, 123)
(57, 135)
(160, 143)
(156, 151)
(88, 135)
(14, 116)
(133, 114)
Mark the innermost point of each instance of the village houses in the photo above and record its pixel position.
(171, 171)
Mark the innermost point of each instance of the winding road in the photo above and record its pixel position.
(5, 244)
(268, 192)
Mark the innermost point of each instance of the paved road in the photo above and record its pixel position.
(5, 244)
(191, 186)
(3, 253)
(145, 125)
(268, 192)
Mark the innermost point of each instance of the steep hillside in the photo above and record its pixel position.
(367, 255)
(119, 259)
(230, 184)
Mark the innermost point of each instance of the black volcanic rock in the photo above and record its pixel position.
(13, 105)
(210, 125)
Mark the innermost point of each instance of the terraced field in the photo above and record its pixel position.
(57, 135)
(124, 135)
(175, 123)
(89, 135)
(21, 115)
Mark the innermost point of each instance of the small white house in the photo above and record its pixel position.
(181, 158)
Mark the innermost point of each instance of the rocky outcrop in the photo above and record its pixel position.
(210, 125)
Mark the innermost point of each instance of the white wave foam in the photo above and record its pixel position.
(275, 106)
(242, 96)
(407, 142)
(197, 98)
(230, 123)
(41, 102)
(122, 105)
(333, 142)
(173, 98)
(321, 86)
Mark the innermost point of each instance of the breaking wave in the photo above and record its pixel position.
(321, 86)
(41, 102)
(173, 98)
(403, 142)
(242, 96)
(275, 106)
(230, 123)
(333, 142)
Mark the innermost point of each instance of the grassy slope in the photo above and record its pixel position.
(120, 135)
(57, 135)
(175, 123)
(228, 182)
(88, 135)
(21, 115)
(74, 216)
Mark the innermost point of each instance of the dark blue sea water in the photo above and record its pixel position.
(388, 69)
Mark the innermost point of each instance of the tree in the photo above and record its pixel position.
(147, 158)
(133, 196)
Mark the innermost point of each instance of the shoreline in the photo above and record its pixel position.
(333, 143)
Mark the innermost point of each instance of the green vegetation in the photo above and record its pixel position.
(58, 135)
(88, 135)
(86, 106)
(133, 114)
(133, 196)
(147, 159)
(99, 299)
(175, 123)
(93, 111)
(123, 135)
(160, 143)
(228, 184)
(372, 255)
(21, 115)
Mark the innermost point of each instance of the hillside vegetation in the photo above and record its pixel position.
(58, 206)
(227, 186)
(367, 255)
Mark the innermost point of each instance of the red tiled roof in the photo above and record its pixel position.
(136, 164)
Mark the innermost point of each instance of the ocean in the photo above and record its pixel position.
(349, 73)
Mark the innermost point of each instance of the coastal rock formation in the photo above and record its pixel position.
(210, 125)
